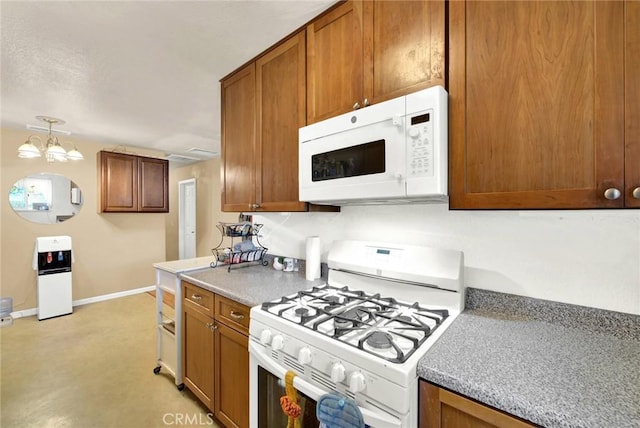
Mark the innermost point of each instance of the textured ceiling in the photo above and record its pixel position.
(135, 73)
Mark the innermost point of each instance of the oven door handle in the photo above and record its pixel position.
(371, 418)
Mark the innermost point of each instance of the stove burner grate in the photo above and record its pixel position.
(378, 325)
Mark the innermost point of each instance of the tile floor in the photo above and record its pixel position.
(93, 368)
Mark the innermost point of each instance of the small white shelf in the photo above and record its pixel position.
(169, 326)
(169, 323)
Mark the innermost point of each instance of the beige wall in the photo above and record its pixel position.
(208, 214)
(113, 252)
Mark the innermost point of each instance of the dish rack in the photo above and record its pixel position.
(245, 252)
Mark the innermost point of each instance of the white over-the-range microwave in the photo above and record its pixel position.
(391, 152)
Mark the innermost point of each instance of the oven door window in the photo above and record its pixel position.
(353, 161)
(270, 413)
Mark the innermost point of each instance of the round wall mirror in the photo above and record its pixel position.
(45, 198)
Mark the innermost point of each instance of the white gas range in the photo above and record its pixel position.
(361, 334)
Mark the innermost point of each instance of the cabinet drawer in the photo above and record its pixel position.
(232, 313)
(202, 299)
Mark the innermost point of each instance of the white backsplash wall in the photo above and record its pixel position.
(584, 257)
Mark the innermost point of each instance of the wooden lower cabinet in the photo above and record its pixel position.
(442, 408)
(232, 377)
(198, 345)
(216, 354)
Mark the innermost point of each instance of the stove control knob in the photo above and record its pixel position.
(356, 382)
(277, 343)
(265, 336)
(337, 373)
(304, 356)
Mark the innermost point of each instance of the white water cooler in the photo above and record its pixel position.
(52, 260)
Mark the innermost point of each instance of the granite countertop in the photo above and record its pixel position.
(250, 285)
(553, 364)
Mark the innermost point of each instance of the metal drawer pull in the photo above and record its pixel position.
(236, 315)
(636, 193)
(196, 297)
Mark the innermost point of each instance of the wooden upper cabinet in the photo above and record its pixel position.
(537, 104)
(130, 183)
(334, 60)
(263, 106)
(280, 112)
(154, 185)
(372, 51)
(118, 182)
(404, 48)
(632, 104)
(238, 140)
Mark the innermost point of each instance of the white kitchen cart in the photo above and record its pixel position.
(169, 323)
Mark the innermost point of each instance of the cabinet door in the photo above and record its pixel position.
(281, 107)
(238, 141)
(403, 47)
(440, 408)
(232, 377)
(334, 61)
(632, 104)
(536, 93)
(197, 354)
(118, 182)
(154, 185)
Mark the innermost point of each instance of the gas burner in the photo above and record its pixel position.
(403, 318)
(351, 317)
(332, 307)
(332, 299)
(301, 311)
(379, 340)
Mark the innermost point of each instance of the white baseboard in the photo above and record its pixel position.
(34, 311)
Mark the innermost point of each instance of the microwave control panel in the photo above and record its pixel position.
(420, 144)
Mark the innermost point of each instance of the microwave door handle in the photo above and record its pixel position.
(371, 418)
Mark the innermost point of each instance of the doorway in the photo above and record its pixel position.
(187, 219)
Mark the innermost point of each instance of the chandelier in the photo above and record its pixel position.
(53, 150)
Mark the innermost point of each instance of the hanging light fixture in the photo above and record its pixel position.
(53, 150)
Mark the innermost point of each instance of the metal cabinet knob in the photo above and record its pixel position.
(365, 102)
(356, 106)
(612, 193)
(636, 193)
